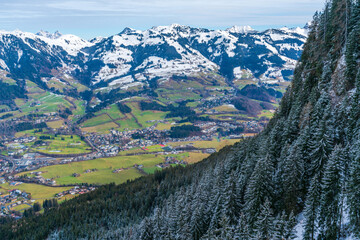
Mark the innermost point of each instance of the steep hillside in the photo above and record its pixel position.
(300, 178)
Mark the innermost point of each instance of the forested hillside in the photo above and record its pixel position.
(299, 178)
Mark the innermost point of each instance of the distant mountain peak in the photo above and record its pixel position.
(96, 40)
(47, 34)
(170, 28)
(240, 29)
(127, 30)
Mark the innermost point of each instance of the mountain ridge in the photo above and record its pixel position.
(133, 56)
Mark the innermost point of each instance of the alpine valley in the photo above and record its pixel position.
(183, 133)
(86, 113)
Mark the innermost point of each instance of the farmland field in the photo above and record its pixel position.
(113, 111)
(55, 124)
(104, 166)
(208, 144)
(102, 128)
(63, 174)
(101, 119)
(38, 192)
(63, 144)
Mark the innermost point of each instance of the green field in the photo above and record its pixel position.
(2, 107)
(266, 113)
(38, 192)
(101, 119)
(225, 108)
(144, 116)
(20, 208)
(163, 126)
(55, 124)
(105, 166)
(102, 128)
(113, 111)
(208, 144)
(128, 123)
(63, 144)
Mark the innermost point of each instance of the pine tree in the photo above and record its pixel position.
(37, 207)
(322, 141)
(146, 230)
(197, 223)
(259, 188)
(292, 174)
(231, 205)
(331, 202)
(312, 207)
(354, 190)
(264, 224)
(157, 224)
(242, 228)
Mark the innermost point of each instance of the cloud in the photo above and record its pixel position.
(13, 14)
(96, 14)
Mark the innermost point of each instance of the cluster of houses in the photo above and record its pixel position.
(90, 170)
(11, 199)
(136, 166)
(75, 190)
(168, 161)
(109, 150)
(102, 139)
(35, 177)
(16, 149)
(32, 161)
(5, 167)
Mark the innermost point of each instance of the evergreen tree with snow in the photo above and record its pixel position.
(331, 203)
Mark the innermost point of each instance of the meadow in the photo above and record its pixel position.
(105, 166)
(215, 143)
(63, 174)
(38, 192)
(63, 144)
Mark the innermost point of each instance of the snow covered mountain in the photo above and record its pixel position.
(134, 56)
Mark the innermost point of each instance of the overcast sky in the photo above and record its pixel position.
(90, 18)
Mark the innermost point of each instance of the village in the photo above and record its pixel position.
(20, 157)
(19, 154)
(11, 199)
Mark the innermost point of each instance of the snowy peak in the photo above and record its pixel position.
(43, 41)
(46, 34)
(127, 30)
(71, 43)
(171, 29)
(240, 29)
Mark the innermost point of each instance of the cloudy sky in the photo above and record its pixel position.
(90, 18)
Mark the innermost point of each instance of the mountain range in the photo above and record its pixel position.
(134, 57)
(297, 179)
